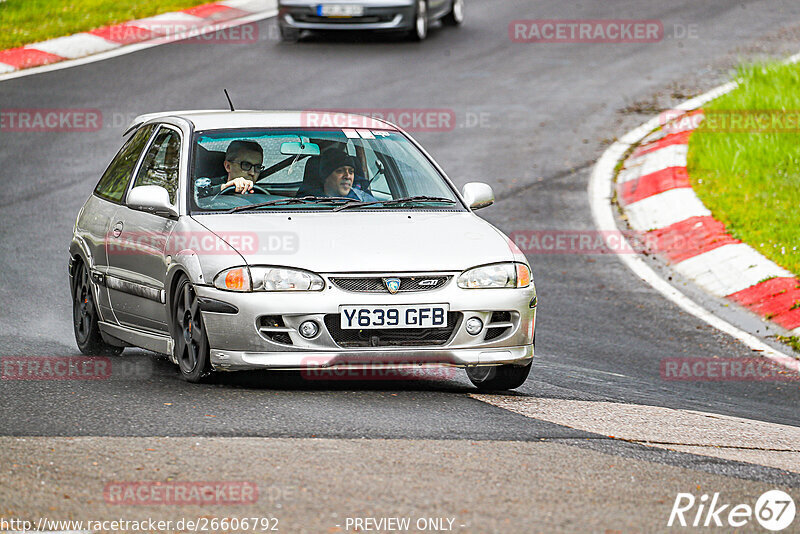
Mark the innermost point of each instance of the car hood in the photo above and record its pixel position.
(362, 241)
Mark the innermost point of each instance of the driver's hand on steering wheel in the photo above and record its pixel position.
(243, 185)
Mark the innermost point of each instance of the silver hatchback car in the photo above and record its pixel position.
(296, 241)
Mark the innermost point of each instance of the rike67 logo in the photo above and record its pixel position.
(774, 510)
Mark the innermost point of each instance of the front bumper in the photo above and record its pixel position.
(241, 341)
(374, 18)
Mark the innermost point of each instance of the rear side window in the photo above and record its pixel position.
(114, 181)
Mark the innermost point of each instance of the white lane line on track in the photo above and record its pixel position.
(600, 191)
(129, 49)
(701, 433)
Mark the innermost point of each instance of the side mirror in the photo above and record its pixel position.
(152, 198)
(478, 195)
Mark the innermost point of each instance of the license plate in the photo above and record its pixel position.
(416, 316)
(340, 10)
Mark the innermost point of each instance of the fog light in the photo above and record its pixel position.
(309, 329)
(474, 326)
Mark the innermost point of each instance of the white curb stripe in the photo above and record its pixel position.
(75, 46)
(664, 209)
(165, 21)
(796, 332)
(6, 68)
(129, 49)
(600, 190)
(729, 269)
(251, 5)
(658, 160)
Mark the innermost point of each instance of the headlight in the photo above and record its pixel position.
(268, 279)
(281, 279)
(496, 275)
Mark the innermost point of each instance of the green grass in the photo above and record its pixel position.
(29, 21)
(751, 181)
(792, 341)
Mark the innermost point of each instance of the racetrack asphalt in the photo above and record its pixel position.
(545, 113)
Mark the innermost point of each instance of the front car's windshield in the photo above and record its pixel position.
(308, 169)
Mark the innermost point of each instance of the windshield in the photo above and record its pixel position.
(314, 170)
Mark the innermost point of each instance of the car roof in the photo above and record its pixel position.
(222, 119)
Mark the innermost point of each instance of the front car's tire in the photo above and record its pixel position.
(85, 317)
(419, 30)
(456, 15)
(188, 334)
(499, 377)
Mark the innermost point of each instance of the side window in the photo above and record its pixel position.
(114, 181)
(160, 164)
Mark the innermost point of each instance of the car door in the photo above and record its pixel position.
(136, 247)
(97, 215)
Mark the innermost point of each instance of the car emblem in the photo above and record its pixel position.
(392, 284)
(426, 283)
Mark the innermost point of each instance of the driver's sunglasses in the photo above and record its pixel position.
(246, 166)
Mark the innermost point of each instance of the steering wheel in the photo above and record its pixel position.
(255, 188)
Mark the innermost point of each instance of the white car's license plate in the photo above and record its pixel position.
(415, 316)
(340, 10)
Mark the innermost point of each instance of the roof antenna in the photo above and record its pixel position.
(229, 99)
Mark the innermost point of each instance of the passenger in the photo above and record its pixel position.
(243, 163)
(337, 170)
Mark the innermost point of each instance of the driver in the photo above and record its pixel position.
(243, 163)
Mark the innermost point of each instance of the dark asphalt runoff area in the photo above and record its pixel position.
(531, 119)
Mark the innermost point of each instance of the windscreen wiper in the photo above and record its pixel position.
(404, 200)
(290, 201)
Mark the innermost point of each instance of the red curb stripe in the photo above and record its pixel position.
(689, 238)
(681, 138)
(23, 58)
(123, 34)
(652, 184)
(774, 299)
(216, 12)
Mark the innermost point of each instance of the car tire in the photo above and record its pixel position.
(419, 31)
(288, 35)
(499, 377)
(456, 15)
(189, 335)
(85, 317)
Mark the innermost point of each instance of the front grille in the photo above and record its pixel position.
(375, 284)
(273, 321)
(397, 337)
